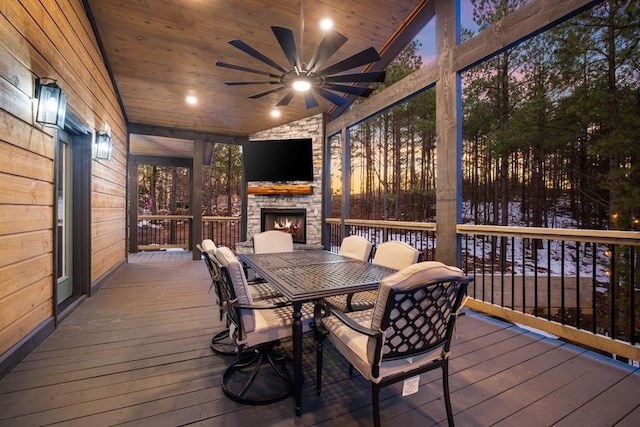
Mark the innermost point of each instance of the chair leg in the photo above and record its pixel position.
(240, 378)
(223, 345)
(445, 388)
(319, 355)
(375, 401)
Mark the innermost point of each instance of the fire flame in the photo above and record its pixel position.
(287, 224)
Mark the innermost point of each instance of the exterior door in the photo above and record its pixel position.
(64, 219)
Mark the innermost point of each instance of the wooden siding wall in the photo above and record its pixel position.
(50, 39)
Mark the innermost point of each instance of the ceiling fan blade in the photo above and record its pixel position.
(288, 45)
(248, 70)
(260, 82)
(251, 51)
(331, 97)
(361, 58)
(287, 98)
(373, 76)
(266, 92)
(310, 101)
(354, 90)
(331, 42)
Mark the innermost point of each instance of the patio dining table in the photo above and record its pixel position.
(304, 276)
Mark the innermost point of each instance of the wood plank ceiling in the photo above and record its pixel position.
(161, 51)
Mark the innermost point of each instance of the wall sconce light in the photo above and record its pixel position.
(52, 103)
(103, 146)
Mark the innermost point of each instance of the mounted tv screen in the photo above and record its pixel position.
(278, 160)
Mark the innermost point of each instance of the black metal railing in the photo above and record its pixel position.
(578, 284)
(420, 235)
(157, 232)
(585, 279)
(223, 230)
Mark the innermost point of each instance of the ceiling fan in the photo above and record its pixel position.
(309, 78)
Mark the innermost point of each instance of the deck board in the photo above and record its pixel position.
(137, 354)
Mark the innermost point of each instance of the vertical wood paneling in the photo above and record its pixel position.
(50, 39)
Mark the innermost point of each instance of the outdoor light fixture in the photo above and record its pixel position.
(52, 103)
(103, 146)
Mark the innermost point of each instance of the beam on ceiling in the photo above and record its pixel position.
(154, 130)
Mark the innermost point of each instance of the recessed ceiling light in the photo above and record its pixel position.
(191, 100)
(326, 24)
(275, 113)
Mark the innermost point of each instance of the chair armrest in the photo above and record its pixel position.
(328, 309)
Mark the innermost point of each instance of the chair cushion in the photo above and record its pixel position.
(274, 324)
(354, 346)
(272, 241)
(395, 254)
(260, 326)
(209, 246)
(356, 247)
(230, 262)
(227, 259)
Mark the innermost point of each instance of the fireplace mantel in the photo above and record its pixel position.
(280, 190)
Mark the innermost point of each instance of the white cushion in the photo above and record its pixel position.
(354, 346)
(272, 241)
(227, 259)
(264, 325)
(356, 247)
(395, 254)
(273, 324)
(209, 246)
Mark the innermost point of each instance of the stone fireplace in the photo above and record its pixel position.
(292, 221)
(310, 203)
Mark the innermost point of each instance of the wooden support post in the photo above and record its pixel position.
(448, 136)
(196, 198)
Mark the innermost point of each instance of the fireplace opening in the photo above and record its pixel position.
(292, 221)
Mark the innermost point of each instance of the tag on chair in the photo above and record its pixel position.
(232, 330)
(411, 385)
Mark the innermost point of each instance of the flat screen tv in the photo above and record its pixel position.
(278, 160)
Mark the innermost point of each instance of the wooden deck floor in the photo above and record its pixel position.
(137, 353)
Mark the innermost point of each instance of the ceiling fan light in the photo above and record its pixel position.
(301, 85)
(326, 24)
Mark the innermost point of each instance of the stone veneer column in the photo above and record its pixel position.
(311, 127)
